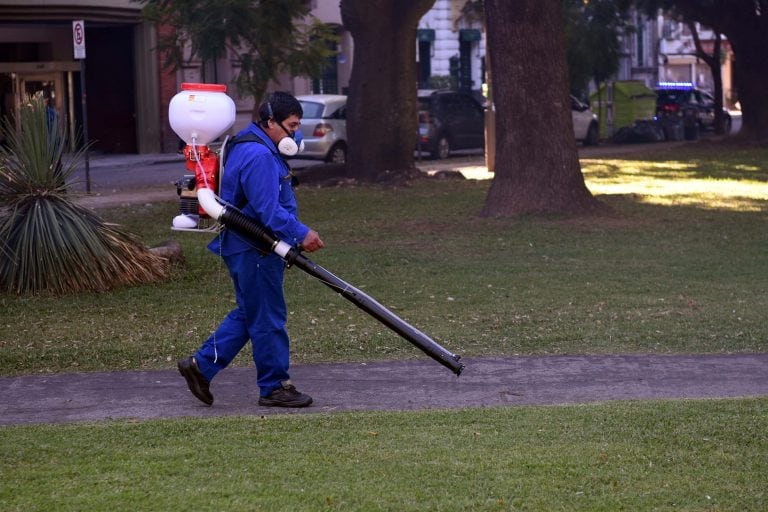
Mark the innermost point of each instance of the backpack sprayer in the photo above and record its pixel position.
(199, 114)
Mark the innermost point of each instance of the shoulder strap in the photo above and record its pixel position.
(252, 137)
(248, 137)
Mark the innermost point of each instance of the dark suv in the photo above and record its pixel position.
(449, 120)
(681, 102)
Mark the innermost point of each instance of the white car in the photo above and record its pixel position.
(324, 127)
(585, 125)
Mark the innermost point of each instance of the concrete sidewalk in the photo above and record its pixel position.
(407, 385)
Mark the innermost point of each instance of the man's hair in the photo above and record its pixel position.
(279, 106)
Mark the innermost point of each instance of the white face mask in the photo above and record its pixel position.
(290, 146)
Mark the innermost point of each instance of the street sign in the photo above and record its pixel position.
(78, 43)
(78, 38)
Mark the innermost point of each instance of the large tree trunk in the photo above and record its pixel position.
(751, 69)
(537, 166)
(381, 111)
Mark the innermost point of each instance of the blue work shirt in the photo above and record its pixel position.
(258, 182)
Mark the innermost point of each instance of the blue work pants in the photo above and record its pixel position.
(260, 316)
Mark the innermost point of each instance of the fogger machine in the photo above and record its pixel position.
(200, 114)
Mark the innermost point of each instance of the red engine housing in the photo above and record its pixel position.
(204, 163)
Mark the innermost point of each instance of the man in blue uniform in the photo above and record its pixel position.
(258, 181)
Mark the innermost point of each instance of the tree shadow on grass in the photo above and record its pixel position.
(714, 160)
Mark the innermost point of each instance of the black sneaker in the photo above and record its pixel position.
(196, 381)
(287, 396)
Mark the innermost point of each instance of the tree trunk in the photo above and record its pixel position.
(713, 61)
(751, 70)
(382, 108)
(537, 166)
(717, 80)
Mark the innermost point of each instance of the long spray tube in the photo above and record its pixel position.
(235, 219)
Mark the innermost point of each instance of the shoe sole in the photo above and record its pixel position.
(192, 384)
(266, 402)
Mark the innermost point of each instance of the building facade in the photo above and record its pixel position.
(663, 50)
(120, 73)
(450, 47)
(128, 90)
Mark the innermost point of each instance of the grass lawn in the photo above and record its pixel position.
(662, 456)
(679, 266)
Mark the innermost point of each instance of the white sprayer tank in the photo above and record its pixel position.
(200, 113)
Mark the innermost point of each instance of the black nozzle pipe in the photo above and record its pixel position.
(381, 313)
(235, 219)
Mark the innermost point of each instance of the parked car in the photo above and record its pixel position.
(453, 120)
(448, 121)
(324, 127)
(682, 102)
(585, 125)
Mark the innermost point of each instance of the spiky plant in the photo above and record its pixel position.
(48, 243)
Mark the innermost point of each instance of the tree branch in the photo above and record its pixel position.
(710, 60)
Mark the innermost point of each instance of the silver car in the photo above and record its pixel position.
(324, 127)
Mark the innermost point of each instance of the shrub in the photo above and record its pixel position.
(48, 243)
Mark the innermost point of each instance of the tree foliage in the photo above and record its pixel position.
(48, 243)
(265, 38)
(593, 33)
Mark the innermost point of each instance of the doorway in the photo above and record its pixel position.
(54, 84)
(47, 86)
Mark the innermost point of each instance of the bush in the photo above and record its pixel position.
(49, 243)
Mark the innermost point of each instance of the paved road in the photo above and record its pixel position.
(408, 385)
(130, 179)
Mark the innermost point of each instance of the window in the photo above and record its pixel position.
(425, 63)
(462, 106)
(312, 110)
